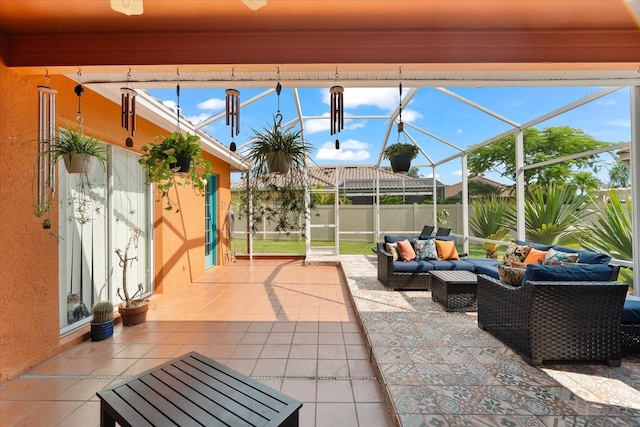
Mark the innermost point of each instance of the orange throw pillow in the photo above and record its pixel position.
(534, 256)
(405, 250)
(446, 250)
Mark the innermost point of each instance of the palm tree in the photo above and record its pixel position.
(586, 182)
(487, 222)
(551, 214)
(611, 231)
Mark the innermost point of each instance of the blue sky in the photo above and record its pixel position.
(606, 119)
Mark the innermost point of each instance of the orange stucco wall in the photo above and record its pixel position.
(29, 332)
(179, 237)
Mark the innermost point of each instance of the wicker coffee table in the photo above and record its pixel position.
(456, 290)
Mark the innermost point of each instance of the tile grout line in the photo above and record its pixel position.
(116, 377)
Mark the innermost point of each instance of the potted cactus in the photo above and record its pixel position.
(102, 322)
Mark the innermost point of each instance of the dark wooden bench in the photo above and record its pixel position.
(194, 390)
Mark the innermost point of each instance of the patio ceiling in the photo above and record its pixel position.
(435, 42)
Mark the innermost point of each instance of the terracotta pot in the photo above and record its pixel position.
(400, 164)
(134, 315)
(183, 162)
(277, 162)
(80, 163)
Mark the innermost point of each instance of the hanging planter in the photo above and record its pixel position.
(400, 156)
(80, 163)
(176, 153)
(277, 150)
(79, 152)
(277, 162)
(182, 164)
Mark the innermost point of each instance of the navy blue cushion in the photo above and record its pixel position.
(538, 246)
(631, 310)
(586, 257)
(485, 266)
(568, 273)
(412, 266)
(392, 239)
(452, 265)
(489, 270)
(450, 238)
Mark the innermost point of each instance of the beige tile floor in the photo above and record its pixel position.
(289, 326)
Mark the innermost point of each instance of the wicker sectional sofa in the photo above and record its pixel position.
(555, 320)
(414, 275)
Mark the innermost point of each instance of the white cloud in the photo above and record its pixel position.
(457, 173)
(323, 125)
(621, 122)
(350, 150)
(410, 116)
(384, 98)
(458, 131)
(316, 125)
(430, 175)
(199, 118)
(606, 102)
(212, 104)
(170, 104)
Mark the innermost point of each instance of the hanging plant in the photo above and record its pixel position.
(279, 196)
(275, 149)
(400, 156)
(175, 160)
(79, 152)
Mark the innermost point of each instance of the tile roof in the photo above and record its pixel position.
(352, 177)
(452, 190)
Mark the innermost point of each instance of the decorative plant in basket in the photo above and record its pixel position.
(278, 158)
(79, 152)
(275, 149)
(102, 323)
(175, 160)
(400, 156)
(132, 310)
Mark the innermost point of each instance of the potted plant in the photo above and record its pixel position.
(133, 311)
(102, 322)
(275, 149)
(400, 156)
(175, 160)
(79, 152)
(278, 157)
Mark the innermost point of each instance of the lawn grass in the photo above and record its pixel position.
(346, 248)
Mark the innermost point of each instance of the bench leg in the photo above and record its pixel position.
(106, 420)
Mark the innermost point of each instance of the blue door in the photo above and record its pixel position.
(210, 223)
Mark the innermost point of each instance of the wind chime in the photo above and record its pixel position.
(278, 90)
(128, 103)
(337, 110)
(46, 142)
(233, 112)
(400, 123)
(79, 90)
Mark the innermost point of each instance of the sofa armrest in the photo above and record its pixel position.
(385, 264)
(500, 302)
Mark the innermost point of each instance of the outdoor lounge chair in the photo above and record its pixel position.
(443, 231)
(427, 230)
(554, 320)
